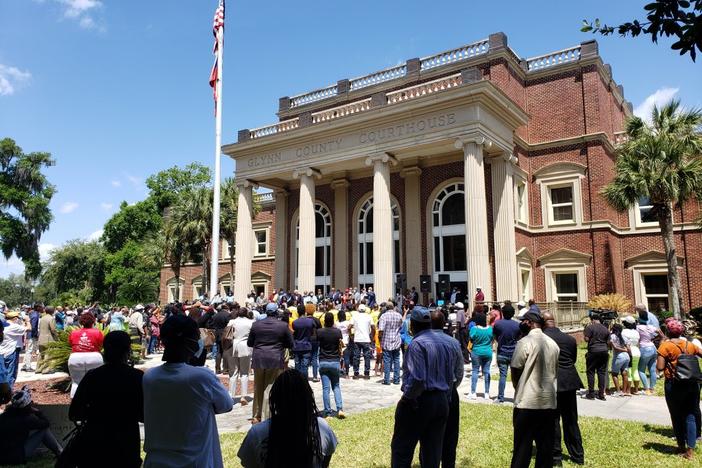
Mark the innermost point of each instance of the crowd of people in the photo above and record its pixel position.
(281, 338)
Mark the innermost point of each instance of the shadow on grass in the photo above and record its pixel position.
(660, 448)
(660, 430)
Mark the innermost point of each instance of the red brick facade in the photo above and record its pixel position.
(574, 113)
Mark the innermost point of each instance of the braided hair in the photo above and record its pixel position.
(294, 438)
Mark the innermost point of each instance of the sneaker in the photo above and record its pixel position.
(487, 399)
(396, 383)
(340, 414)
(497, 401)
(385, 383)
(601, 397)
(315, 380)
(472, 396)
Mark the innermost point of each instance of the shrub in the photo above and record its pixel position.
(616, 302)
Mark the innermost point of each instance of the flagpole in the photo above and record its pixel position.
(214, 266)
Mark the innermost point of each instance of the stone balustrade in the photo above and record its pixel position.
(455, 55)
(620, 137)
(341, 111)
(279, 127)
(378, 77)
(313, 96)
(423, 89)
(263, 197)
(571, 54)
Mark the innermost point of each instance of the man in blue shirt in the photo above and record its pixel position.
(506, 332)
(32, 343)
(303, 332)
(431, 370)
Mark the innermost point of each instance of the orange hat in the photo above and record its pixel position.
(309, 307)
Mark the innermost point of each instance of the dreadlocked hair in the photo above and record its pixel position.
(294, 438)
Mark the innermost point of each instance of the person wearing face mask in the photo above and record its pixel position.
(534, 370)
(175, 396)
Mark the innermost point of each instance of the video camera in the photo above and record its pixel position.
(603, 315)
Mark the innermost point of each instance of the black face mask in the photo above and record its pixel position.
(524, 328)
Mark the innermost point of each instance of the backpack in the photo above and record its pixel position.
(688, 367)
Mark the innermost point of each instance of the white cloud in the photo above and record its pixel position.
(95, 235)
(68, 207)
(11, 79)
(45, 249)
(81, 11)
(106, 206)
(661, 97)
(116, 183)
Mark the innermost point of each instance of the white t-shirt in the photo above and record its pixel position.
(362, 327)
(254, 448)
(180, 403)
(14, 338)
(344, 327)
(631, 339)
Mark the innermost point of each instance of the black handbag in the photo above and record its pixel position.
(70, 456)
(688, 367)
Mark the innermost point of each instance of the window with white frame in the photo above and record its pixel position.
(521, 212)
(261, 244)
(227, 249)
(565, 286)
(449, 236)
(561, 203)
(525, 284)
(323, 251)
(175, 290)
(644, 212)
(365, 242)
(197, 287)
(655, 290)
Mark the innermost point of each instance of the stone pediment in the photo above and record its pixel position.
(560, 168)
(649, 258)
(524, 255)
(565, 256)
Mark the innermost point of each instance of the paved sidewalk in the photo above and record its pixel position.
(363, 395)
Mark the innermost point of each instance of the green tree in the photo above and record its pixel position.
(131, 223)
(166, 186)
(191, 218)
(76, 266)
(679, 19)
(128, 277)
(16, 290)
(25, 194)
(661, 161)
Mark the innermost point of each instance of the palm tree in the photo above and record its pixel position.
(191, 225)
(228, 217)
(661, 161)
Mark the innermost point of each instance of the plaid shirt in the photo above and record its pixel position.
(390, 323)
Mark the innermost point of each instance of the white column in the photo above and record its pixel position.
(412, 223)
(244, 239)
(306, 240)
(383, 245)
(340, 268)
(281, 239)
(503, 215)
(477, 253)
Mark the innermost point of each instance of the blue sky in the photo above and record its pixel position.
(117, 90)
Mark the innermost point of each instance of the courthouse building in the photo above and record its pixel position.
(470, 168)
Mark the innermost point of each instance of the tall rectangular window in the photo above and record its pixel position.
(521, 208)
(261, 247)
(646, 214)
(562, 203)
(566, 285)
(656, 290)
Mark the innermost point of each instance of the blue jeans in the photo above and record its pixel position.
(348, 355)
(503, 364)
(480, 362)
(153, 341)
(11, 365)
(302, 362)
(364, 348)
(682, 399)
(330, 371)
(391, 360)
(314, 360)
(648, 361)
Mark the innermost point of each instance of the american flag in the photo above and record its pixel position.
(217, 24)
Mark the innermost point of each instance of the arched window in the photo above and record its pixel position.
(365, 242)
(322, 243)
(449, 235)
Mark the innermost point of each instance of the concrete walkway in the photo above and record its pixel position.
(363, 395)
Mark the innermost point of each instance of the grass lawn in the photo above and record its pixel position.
(486, 441)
